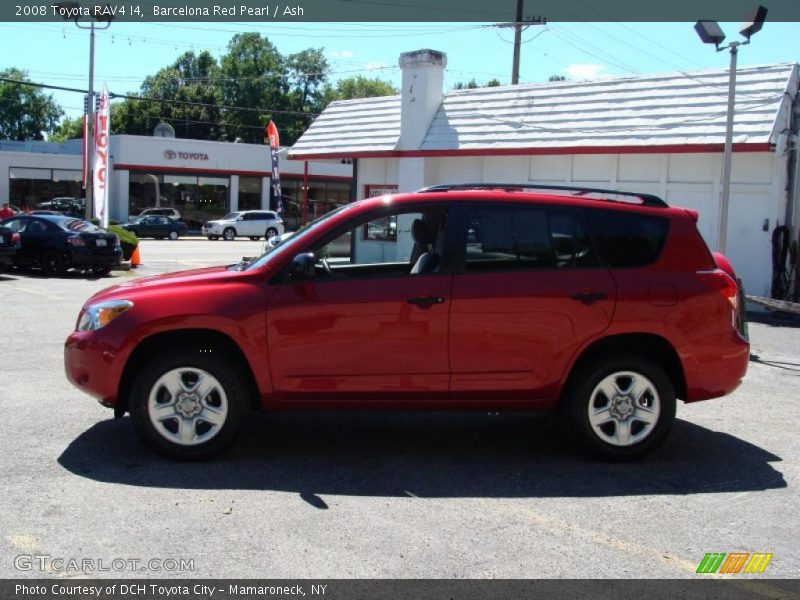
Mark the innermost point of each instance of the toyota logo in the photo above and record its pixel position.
(170, 154)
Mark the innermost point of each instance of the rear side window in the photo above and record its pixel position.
(626, 239)
(500, 237)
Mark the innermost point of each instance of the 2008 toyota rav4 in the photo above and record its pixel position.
(600, 305)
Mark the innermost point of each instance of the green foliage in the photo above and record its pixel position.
(26, 113)
(474, 85)
(252, 75)
(557, 78)
(68, 129)
(358, 87)
(127, 239)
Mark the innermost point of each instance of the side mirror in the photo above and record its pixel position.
(303, 266)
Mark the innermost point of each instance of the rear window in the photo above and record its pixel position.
(626, 239)
(78, 225)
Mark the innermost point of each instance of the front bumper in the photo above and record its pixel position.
(93, 366)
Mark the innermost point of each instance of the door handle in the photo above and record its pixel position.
(589, 297)
(425, 301)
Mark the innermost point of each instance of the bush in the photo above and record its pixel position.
(127, 240)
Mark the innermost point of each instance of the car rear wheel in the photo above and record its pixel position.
(188, 404)
(620, 407)
(229, 234)
(173, 235)
(271, 232)
(52, 263)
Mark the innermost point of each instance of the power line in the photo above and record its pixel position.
(165, 100)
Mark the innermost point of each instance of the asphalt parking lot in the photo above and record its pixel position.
(381, 495)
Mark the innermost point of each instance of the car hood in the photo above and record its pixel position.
(130, 289)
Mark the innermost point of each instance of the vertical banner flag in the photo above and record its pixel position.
(101, 176)
(84, 134)
(274, 146)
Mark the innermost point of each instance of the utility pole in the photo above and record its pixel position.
(519, 24)
(517, 41)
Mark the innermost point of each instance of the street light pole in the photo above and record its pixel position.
(67, 9)
(727, 156)
(711, 33)
(89, 195)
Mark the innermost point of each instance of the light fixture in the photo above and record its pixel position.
(711, 33)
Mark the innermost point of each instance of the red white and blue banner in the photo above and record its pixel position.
(274, 146)
(101, 173)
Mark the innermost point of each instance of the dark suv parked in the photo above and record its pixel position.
(599, 305)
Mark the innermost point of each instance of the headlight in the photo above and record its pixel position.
(101, 314)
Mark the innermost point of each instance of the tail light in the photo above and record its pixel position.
(724, 284)
(15, 239)
(76, 241)
(116, 241)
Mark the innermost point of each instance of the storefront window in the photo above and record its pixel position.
(31, 188)
(249, 193)
(197, 198)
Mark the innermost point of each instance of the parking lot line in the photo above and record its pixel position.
(35, 292)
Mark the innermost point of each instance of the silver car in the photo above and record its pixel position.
(254, 224)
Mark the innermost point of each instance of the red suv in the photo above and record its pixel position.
(602, 305)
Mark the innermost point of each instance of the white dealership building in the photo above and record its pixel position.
(202, 179)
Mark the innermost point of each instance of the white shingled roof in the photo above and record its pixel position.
(654, 110)
(348, 126)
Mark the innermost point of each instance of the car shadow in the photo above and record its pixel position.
(431, 455)
(774, 318)
(31, 273)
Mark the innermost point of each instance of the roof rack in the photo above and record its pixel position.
(647, 199)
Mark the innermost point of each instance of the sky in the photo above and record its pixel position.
(58, 54)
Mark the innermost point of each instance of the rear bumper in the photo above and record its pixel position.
(714, 367)
(87, 257)
(7, 255)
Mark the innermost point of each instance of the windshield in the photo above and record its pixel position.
(230, 217)
(296, 239)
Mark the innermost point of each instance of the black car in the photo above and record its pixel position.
(157, 227)
(9, 246)
(55, 243)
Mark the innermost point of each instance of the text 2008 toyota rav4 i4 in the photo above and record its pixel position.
(600, 305)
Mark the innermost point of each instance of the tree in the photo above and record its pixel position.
(307, 72)
(358, 87)
(253, 76)
(557, 78)
(68, 129)
(26, 113)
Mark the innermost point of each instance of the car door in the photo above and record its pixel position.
(364, 327)
(528, 292)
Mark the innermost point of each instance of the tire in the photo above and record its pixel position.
(52, 263)
(100, 271)
(271, 232)
(631, 423)
(255, 238)
(173, 235)
(229, 234)
(168, 413)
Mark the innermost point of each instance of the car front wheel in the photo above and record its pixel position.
(173, 235)
(620, 407)
(187, 405)
(229, 234)
(271, 232)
